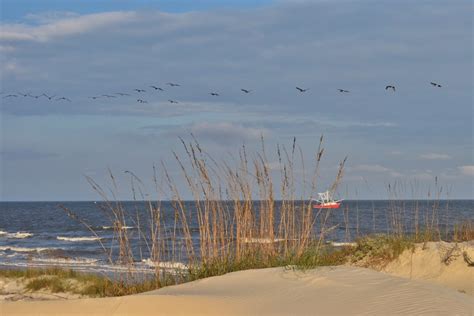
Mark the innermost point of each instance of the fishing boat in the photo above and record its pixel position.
(326, 200)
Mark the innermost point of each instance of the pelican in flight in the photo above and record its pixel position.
(434, 84)
(172, 101)
(390, 87)
(245, 90)
(109, 96)
(214, 94)
(343, 91)
(139, 90)
(94, 97)
(49, 97)
(157, 88)
(63, 98)
(10, 96)
(141, 101)
(34, 96)
(301, 90)
(171, 84)
(122, 94)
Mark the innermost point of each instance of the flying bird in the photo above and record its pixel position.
(343, 91)
(434, 84)
(214, 94)
(63, 98)
(139, 90)
(34, 96)
(301, 90)
(23, 94)
(141, 101)
(122, 94)
(245, 90)
(390, 87)
(109, 96)
(172, 101)
(157, 88)
(94, 97)
(172, 84)
(10, 96)
(49, 97)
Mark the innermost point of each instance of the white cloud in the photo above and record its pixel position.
(274, 165)
(63, 26)
(225, 132)
(467, 170)
(422, 176)
(6, 48)
(396, 174)
(221, 133)
(370, 168)
(50, 16)
(11, 67)
(376, 169)
(435, 156)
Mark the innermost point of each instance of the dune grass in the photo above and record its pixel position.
(59, 280)
(378, 250)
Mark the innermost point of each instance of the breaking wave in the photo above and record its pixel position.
(24, 249)
(111, 227)
(74, 239)
(165, 264)
(66, 261)
(17, 235)
(261, 240)
(343, 244)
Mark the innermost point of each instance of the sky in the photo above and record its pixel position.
(83, 49)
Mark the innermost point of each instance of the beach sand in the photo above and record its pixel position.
(341, 290)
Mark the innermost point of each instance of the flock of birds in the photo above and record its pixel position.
(156, 88)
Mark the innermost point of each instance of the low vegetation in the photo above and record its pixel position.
(58, 280)
(379, 250)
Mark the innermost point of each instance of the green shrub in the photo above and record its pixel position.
(380, 249)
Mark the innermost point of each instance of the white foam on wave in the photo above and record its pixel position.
(20, 235)
(261, 240)
(96, 266)
(73, 239)
(8, 255)
(343, 244)
(23, 249)
(67, 261)
(17, 235)
(165, 264)
(111, 227)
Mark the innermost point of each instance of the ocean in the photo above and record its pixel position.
(40, 234)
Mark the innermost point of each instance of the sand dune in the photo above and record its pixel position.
(339, 290)
(437, 262)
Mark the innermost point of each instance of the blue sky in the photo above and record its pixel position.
(80, 49)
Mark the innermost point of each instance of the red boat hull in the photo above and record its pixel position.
(327, 205)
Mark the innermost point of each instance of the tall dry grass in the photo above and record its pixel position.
(239, 223)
